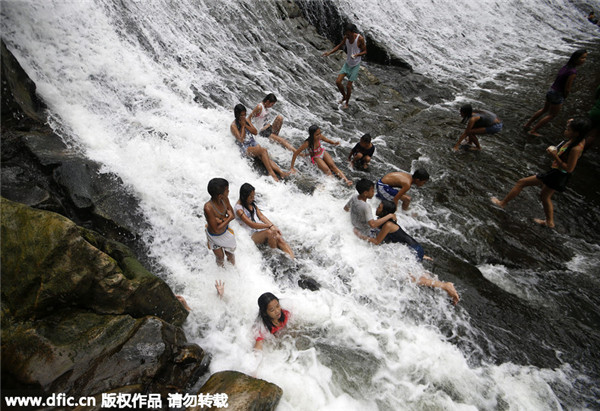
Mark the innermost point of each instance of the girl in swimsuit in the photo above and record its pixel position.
(262, 229)
(559, 90)
(318, 155)
(244, 133)
(565, 159)
(392, 233)
(271, 318)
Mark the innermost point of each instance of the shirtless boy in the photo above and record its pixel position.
(219, 213)
(393, 186)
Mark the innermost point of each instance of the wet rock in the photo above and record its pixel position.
(308, 283)
(243, 392)
(80, 315)
(48, 264)
(79, 353)
(43, 171)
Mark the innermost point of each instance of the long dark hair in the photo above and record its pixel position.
(581, 125)
(466, 110)
(388, 207)
(575, 56)
(237, 110)
(245, 190)
(263, 302)
(311, 137)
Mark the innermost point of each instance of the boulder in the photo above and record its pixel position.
(49, 263)
(83, 353)
(80, 315)
(244, 393)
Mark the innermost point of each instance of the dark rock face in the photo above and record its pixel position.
(81, 316)
(80, 313)
(40, 170)
(243, 392)
(330, 23)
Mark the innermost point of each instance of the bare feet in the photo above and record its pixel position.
(526, 126)
(497, 202)
(543, 223)
(534, 133)
(449, 288)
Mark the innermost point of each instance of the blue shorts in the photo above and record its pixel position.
(351, 72)
(385, 192)
(494, 128)
(249, 141)
(554, 97)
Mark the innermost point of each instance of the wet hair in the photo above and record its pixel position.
(363, 185)
(576, 56)
(271, 98)
(366, 138)
(245, 190)
(311, 137)
(466, 110)
(217, 186)
(350, 27)
(263, 302)
(389, 207)
(581, 125)
(237, 110)
(421, 174)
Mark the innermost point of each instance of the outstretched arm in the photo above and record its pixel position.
(297, 152)
(336, 48)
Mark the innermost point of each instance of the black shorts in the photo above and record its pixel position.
(555, 179)
(267, 132)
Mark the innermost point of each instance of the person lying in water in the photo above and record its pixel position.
(271, 318)
(391, 232)
(262, 230)
(244, 133)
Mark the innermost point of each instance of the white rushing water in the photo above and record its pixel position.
(119, 80)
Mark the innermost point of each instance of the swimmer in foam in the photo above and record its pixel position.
(318, 155)
(478, 122)
(244, 133)
(260, 118)
(391, 232)
(565, 157)
(262, 230)
(393, 186)
(271, 318)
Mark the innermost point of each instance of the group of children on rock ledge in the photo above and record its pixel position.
(391, 189)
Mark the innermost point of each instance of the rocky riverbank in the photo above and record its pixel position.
(81, 315)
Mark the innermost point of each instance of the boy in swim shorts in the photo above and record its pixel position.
(393, 186)
(219, 213)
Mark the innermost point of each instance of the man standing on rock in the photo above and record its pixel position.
(355, 49)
